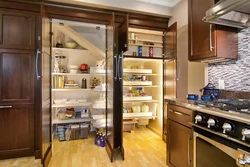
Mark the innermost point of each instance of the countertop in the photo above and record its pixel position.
(236, 116)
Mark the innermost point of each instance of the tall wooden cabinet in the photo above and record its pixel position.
(17, 57)
(208, 42)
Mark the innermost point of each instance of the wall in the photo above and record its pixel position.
(236, 74)
(124, 5)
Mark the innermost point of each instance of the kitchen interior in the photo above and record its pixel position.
(125, 91)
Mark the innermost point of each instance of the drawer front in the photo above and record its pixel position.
(180, 115)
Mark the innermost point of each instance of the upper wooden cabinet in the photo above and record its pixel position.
(209, 42)
(17, 29)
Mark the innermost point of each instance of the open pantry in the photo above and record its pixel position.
(78, 79)
(142, 80)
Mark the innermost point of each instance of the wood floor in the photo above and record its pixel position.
(142, 148)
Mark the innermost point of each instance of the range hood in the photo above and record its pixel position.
(233, 13)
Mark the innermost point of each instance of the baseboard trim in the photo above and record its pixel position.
(155, 131)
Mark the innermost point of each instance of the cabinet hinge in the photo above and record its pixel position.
(114, 44)
(39, 38)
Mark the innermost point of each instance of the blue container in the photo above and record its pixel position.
(193, 97)
(206, 97)
(139, 50)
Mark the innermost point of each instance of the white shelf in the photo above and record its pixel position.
(137, 83)
(142, 101)
(154, 46)
(145, 40)
(71, 105)
(144, 86)
(139, 71)
(69, 74)
(72, 120)
(70, 50)
(142, 98)
(144, 115)
(68, 90)
(147, 32)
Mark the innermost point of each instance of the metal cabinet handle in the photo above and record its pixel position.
(115, 77)
(178, 70)
(37, 54)
(189, 162)
(178, 113)
(120, 61)
(5, 107)
(210, 38)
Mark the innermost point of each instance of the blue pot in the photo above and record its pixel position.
(206, 97)
(193, 97)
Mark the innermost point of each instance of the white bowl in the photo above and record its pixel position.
(74, 67)
(73, 71)
(60, 101)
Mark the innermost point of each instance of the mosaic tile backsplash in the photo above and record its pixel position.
(236, 74)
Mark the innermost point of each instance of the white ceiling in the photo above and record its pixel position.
(168, 3)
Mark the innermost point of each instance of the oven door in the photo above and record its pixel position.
(211, 150)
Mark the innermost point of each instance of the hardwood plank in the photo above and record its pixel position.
(142, 148)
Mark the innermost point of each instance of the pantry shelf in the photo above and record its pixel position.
(144, 86)
(154, 46)
(141, 101)
(72, 120)
(145, 40)
(70, 74)
(144, 115)
(142, 98)
(64, 90)
(140, 71)
(71, 105)
(137, 83)
(70, 50)
(146, 32)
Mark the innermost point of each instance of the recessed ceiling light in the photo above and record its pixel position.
(168, 3)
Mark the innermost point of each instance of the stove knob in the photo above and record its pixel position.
(227, 127)
(210, 122)
(245, 133)
(198, 118)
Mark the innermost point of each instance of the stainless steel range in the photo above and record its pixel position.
(218, 141)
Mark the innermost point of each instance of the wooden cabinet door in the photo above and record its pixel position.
(17, 29)
(17, 129)
(179, 145)
(16, 76)
(201, 34)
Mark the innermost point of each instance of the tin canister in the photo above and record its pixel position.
(139, 50)
(151, 51)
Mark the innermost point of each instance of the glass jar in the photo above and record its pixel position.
(63, 64)
(57, 63)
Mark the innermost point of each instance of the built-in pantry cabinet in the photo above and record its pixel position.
(27, 57)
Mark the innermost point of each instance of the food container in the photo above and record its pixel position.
(193, 97)
(73, 67)
(60, 101)
(84, 131)
(71, 82)
(82, 100)
(73, 71)
(136, 109)
(71, 45)
(145, 108)
(206, 97)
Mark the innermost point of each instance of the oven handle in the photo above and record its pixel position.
(221, 135)
(230, 151)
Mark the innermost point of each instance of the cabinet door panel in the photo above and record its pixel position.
(17, 128)
(16, 76)
(201, 35)
(179, 153)
(17, 29)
